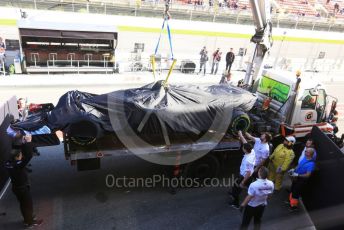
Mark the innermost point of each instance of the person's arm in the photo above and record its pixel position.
(246, 177)
(250, 195)
(242, 138)
(249, 136)
(308, 174)
(246, 200)
(11, 132)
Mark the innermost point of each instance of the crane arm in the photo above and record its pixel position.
(262, 38)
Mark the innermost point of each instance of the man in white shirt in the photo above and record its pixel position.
(309, 144)
(256, 200)
(261, 149)
(246, 170)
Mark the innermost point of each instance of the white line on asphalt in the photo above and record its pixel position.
(3, 191)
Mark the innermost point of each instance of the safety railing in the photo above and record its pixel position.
(179, 11)
(72, 65)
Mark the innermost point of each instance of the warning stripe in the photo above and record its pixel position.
(311, 125)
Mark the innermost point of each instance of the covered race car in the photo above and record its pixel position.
(154, 113)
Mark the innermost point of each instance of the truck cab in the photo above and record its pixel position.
(293, 103)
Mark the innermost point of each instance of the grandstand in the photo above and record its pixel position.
(298, 14)
(299, 7)
(330, 7)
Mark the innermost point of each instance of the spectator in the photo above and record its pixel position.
(226, 78)
(300, 176)
(216, 60)
(280, 161)
(203, 60)
(261, 149)
(22, 109)
(23, 113)
(336, 8)
(230, 56)
(246, 170)
(304, 2)
(20, 181)
(309, 144)
(234, 5)
(2, 52)
(256, 200)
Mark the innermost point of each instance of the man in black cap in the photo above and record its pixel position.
(20, 157)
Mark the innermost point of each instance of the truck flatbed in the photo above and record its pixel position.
(110, 146)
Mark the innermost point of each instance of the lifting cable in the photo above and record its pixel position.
(167, 16)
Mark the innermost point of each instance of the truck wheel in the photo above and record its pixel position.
(240, 121)
(205, 167)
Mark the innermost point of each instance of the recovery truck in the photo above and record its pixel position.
(273, 101)
(285, 105)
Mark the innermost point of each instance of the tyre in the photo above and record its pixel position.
(11, 69)
(205, 167)
(84, 132)
(240, 121)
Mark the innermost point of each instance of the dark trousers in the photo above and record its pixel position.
(25, 200)
(236, 190)
(297, 187)
(228, 66)
(214, 67)
(256, 213)
(202, 65)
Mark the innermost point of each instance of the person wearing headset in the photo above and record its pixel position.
(280, 161)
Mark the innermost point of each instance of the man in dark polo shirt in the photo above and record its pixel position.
(20, 157)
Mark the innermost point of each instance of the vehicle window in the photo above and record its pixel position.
(321, 98)
(308, 101)
(275, 89)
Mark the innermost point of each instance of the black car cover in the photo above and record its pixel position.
(151, 110)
